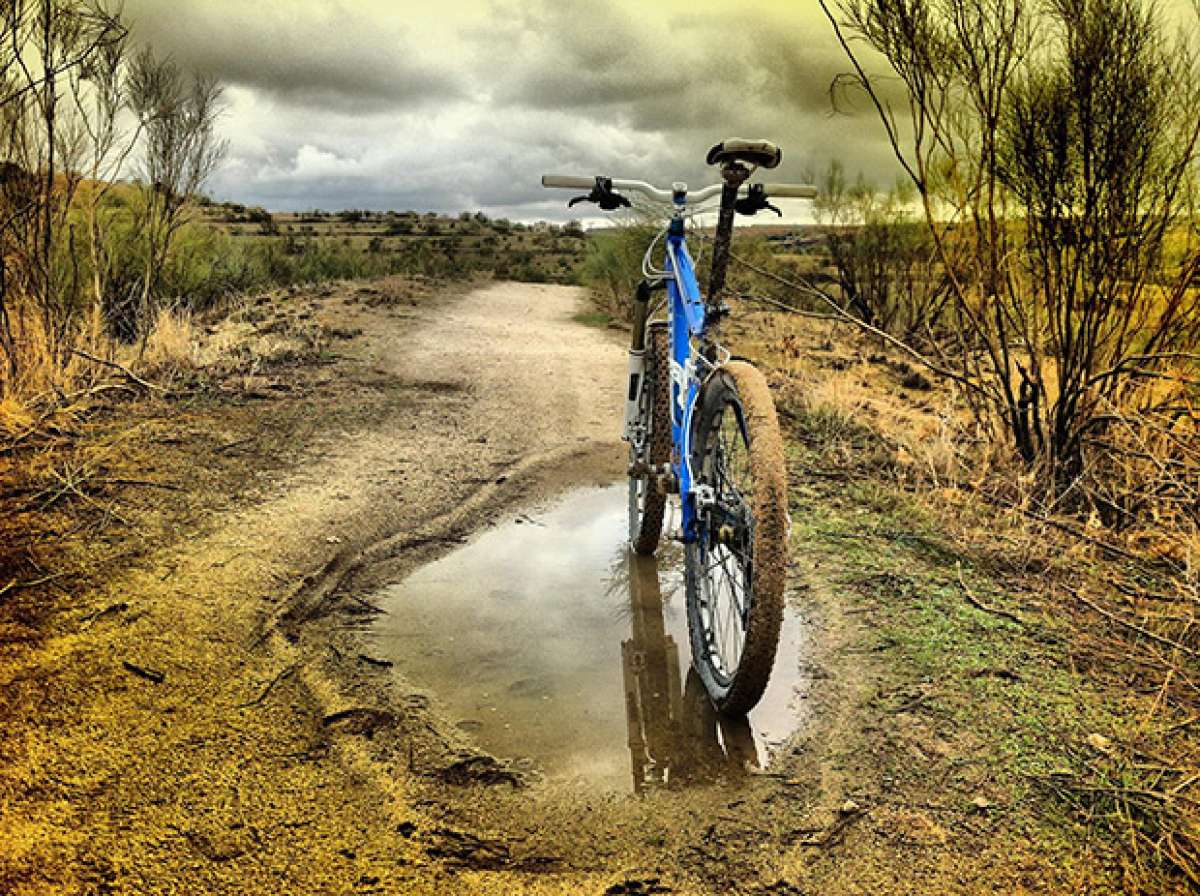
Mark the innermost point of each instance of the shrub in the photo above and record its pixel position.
(885, 260)
(1054, 152)
(612, 265)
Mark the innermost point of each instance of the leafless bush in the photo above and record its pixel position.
(1052, 147)
(45, 49)
(73, 248)
(887, 267)
(101, 100)
(181, 150)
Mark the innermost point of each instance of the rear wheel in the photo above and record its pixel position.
(647, 501)
(735, 569)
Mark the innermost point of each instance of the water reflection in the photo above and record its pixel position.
(546, 642)
(676, 738)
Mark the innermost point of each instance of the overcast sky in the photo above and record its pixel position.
(390, 104)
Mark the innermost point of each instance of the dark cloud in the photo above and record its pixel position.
(377, 104)
(320, 55)
(695, 66)
(547, 55)
(683, 81)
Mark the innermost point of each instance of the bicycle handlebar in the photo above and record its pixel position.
(790, 191)
(586, 183)
(571, 182)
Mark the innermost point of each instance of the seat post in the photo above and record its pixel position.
(734, 174)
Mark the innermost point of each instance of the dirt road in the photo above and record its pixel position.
(183, 731)
(194, 702)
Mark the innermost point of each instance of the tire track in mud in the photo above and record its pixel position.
(539, 365)
(518, 376)
(319, 593)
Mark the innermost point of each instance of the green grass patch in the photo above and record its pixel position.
(996, 705)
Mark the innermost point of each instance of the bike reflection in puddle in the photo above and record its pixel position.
(676, 737)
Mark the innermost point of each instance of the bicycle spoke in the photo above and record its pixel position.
(735, 603)
(727, 608)
(724, 562)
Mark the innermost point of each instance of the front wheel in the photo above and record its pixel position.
(736, 567)
(647, 502)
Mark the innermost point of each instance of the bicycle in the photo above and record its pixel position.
(702, 424)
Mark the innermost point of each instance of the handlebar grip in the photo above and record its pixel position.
(566, 180)
(790, 191)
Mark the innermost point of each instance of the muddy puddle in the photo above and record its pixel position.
(553, 646)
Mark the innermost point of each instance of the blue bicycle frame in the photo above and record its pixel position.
(690, 317)
(687, 320)
(733, 516)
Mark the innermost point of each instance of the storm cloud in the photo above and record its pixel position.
(403, 105)
(316, 55)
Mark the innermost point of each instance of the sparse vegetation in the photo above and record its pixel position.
(316, 246)
(988, 375)
(1054, 159)
(612, 264)
(87, 260)
(884, 260)
(91, 261)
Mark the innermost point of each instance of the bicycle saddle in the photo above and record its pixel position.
(763, 153)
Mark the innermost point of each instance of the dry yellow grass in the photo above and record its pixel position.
(926, 429)
(173, 345)
(52, 378)
(15, 416)
(853, 402)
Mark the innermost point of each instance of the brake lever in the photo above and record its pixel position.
(755, 202)
(602, 194)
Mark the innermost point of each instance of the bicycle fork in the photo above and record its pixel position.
(662, 478)
(637, 365)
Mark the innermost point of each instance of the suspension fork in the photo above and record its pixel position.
(641, 311)
(637, 358)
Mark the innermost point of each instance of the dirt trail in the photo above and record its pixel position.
(542, 382)
(178, 741)
(195, 708)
